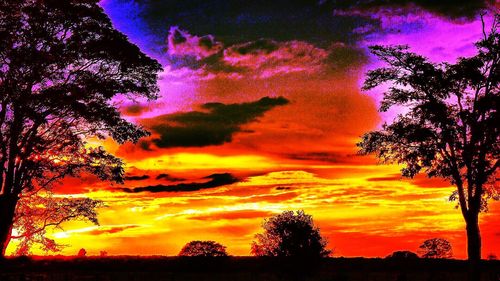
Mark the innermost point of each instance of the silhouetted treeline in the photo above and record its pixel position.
(240, 268)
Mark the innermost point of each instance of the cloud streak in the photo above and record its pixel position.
(214, 180)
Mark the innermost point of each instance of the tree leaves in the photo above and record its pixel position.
(62, 66)
(451, 125)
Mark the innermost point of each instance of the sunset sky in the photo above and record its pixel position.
(260, 109)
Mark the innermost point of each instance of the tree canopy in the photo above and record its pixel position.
(290, 234)
(436, 248)
(203, 249)
(397, 255)
(448, 124)
(63, 68)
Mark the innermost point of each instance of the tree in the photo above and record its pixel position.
(290, 234)
(402, 255)
(203, 249)
(82, 253)
(63, 67)
(450, 124)
(492, 257)
(436, 248)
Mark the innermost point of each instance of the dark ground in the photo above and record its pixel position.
(239, 268)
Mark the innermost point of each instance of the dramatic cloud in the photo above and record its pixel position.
(133, 110)
(262, 58)
(137, 178)
(215, 180)
(241, 20)
(266, 58)
(452, 9)
(220, 57)
(168, 177)
(183, 44)
(215, 125)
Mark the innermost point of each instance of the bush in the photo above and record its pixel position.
(290, 234)
(203, 249)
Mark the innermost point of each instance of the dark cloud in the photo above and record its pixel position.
(392, 177)
(452, 9)
(343, 56)
(134, 109)
(214, 180)
(256, 47)
(240, 21)
(213, 126)
(168, 177)
(137, 178)
(325, 156)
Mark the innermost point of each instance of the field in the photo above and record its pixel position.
(238, 268)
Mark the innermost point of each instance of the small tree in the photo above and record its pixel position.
(63, 67)
(450, 124)
(203, 249)
(290, 234)
(492, 257)
(82, 253)
(436, 248)
(402, 255)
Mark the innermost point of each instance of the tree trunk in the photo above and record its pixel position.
(473, 247)
(473, 238)
(7, 210)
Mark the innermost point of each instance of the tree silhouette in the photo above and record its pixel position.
(402, 255)
(450, 125)
(290, 234)
(492, 257)
(436, 248)
(82, 253)
(62, 68)
(203, 249)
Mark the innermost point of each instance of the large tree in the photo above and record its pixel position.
(448, 124)
(290, 234)
(63, 68)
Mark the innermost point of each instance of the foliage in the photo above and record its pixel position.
(82, 253)
(492, 257)
(37, 213)
(62, 68)
(290, 234)
(436, 248)
(449, 125)
(402, 255)
(203, 249)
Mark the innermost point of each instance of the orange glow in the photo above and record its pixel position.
(298, 155)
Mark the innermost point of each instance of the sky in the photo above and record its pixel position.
(259, 112)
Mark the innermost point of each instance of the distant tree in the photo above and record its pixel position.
(492, 257)
(82, 253)
(402, 255)
(436, 248)
(290, 234)
(449, 125)
(103, 254)
(62, 68)
(203, 249)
